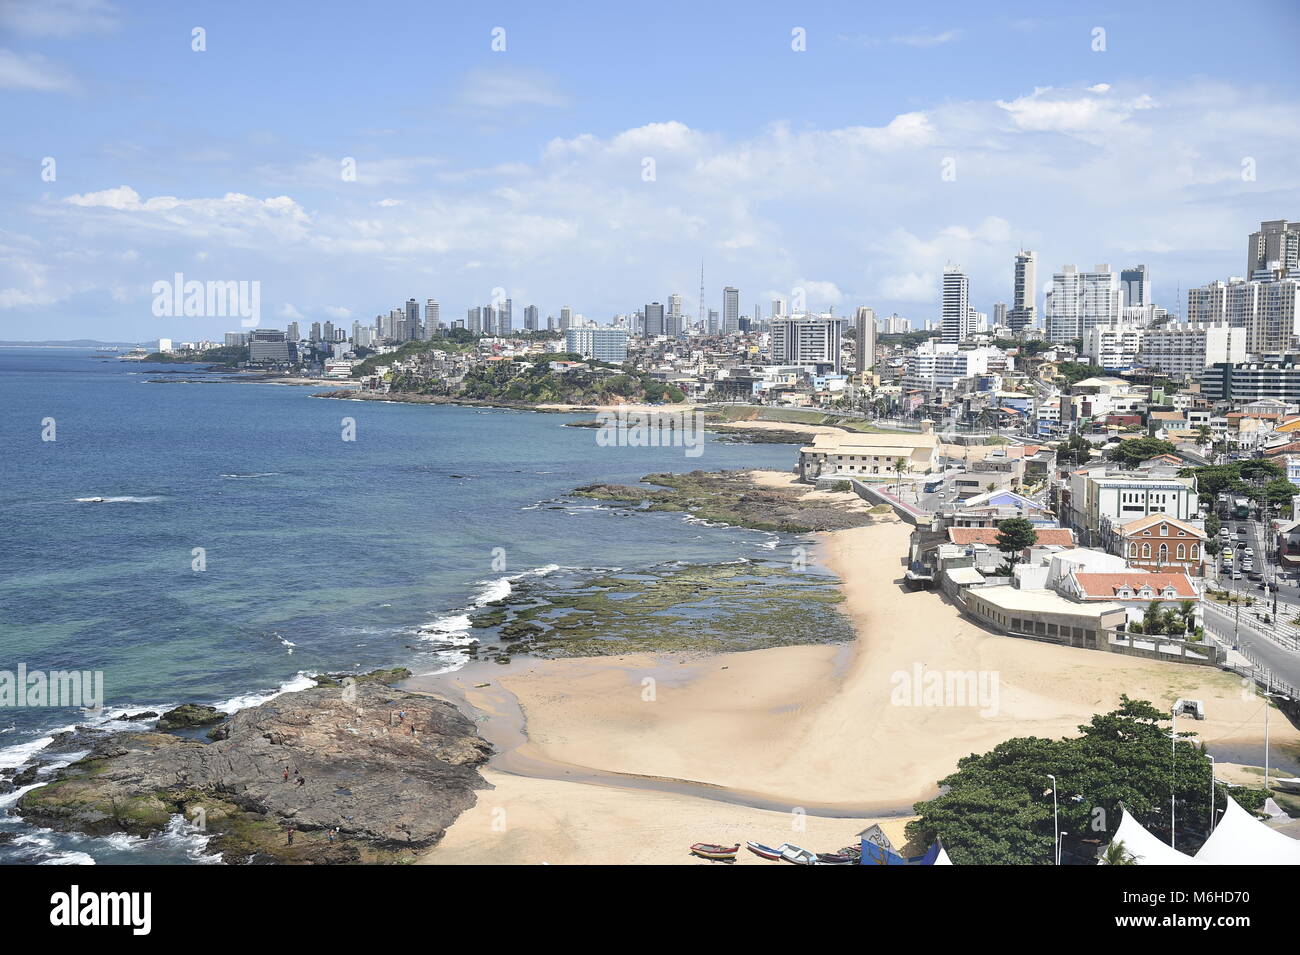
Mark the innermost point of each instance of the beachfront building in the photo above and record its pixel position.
(1161, 543)
(1135, 590)
(847, 454)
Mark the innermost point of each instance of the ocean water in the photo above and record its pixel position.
(320, 554)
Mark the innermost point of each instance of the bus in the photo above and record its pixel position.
(1241, 508)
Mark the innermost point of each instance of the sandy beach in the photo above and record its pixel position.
(814, 728)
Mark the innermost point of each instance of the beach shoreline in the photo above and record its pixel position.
(812, 736)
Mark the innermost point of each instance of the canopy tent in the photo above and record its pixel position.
(943, 857)
(1145, 848)
(1241, 839)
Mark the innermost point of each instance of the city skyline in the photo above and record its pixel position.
(604, 190)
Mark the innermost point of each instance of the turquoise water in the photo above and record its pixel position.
(321, 554)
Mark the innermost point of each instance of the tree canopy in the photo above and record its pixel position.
(996, 809)
(1136, 450)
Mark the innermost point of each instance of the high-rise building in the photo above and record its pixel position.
(1024, 293)
(327, 333)
(474, 320)
(778, 309)
(315, 331)
(530, 318)
(268, 346)
(601, 344)
(999, 314)
(1133, 286)
(730, 310)
(505, 318)
(1080, 302)
(956, 307)
(489, 320)
(292, 333)
(432, 320)
(711, 325)
(566, 317)
(1276, 246)
(806, 341)
(864, 343)
(412, 330)
(653, 320)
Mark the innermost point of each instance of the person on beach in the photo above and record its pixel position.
(290, 837)
(301, 782)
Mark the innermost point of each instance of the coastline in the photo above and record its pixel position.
(811, 726)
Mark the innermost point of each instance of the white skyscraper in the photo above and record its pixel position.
(1081, 301)
(1024, 311)
(730, 310)
(956, 315)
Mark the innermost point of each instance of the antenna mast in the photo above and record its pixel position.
(703, 327)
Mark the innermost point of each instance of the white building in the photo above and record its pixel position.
(1081, 301)
(1182, 351)
(806, 340)
(1113, 346)
(936, 365)
(958, 322)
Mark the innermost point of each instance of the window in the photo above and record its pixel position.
(1182, 552)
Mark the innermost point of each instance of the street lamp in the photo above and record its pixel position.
(1059, 840)
(1173, 775)
(1269, 695)
(1055, 821)
(1211, 792)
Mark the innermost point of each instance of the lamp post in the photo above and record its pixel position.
(1059, 840)
(1173, 775)
(1211, 792)
(1055, 821)
(1269, 695)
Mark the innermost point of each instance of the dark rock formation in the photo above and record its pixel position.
(189, 714)
(332, 757)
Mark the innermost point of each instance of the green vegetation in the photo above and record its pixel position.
(228, 355)
(1136, 450)
(1074, 372)
(908, 339)
(994, 810)
(1014, 535)
(1076, 450)
(537, 384)
(1174, 623)
(1263, 482)
(457, 340)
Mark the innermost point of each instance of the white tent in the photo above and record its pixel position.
(942, 858)
(1241, 839)
(1145, 848)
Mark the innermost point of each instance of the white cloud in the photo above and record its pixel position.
(287, 310)
(503, 88)
(34, 72)
(59, 18)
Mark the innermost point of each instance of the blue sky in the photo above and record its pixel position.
(522, 169)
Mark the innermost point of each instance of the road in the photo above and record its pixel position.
(1254, 639)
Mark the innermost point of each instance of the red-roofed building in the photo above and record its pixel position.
(1135, 590)
(962, 536)
(1159, 542)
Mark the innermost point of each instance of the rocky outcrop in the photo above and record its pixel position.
(188, 715)
(730, 497)
(389, 770)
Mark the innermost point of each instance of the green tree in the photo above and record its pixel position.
(996, 809)
(1117, 854)
(1136, 450)
(1014, 535)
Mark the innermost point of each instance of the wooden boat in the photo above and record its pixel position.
(835, 858)
(764, 852)
(1284, 783)
(797, 854)
(707, 850)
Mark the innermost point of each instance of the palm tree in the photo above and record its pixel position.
(1117, 854)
